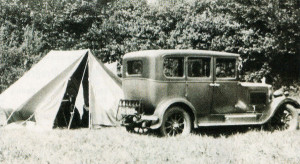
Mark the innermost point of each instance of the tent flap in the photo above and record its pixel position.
(105, 94)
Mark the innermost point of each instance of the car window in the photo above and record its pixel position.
(173, 66)
(199, 67)
(225, 68)
(134, 67)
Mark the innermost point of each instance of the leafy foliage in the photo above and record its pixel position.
(265, 33)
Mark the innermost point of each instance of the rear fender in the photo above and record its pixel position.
(164, 105)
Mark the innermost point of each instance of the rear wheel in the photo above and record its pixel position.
(176, 121)
(286, 118)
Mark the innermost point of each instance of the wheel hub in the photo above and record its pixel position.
(175, 125)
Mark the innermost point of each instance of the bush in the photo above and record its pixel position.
(265, 33)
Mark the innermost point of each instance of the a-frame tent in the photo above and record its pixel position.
(39, 93)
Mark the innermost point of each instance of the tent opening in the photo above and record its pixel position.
(69, 114)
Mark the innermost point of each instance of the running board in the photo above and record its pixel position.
(240, 117)
(230, 119)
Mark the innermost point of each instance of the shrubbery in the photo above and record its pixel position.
(265, 33)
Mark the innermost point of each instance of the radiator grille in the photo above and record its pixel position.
(258, 98)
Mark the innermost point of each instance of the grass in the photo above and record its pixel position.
(115, 145)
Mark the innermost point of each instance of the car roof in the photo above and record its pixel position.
(156, 53)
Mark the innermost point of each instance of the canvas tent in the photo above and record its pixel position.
(39, 94)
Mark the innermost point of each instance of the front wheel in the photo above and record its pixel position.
(286, 118)
(176, 121)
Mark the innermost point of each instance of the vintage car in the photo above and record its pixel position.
(178, 90)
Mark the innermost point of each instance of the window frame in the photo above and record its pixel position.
(134, 75)
(199, 57)
(184, 66)
(225, 78)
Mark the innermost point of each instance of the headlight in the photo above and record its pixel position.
(270, 90)
(278, 93)
(286, 93)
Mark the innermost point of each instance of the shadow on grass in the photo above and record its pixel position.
(215, 132)
(224, 130)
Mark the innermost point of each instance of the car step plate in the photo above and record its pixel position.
(241, 117)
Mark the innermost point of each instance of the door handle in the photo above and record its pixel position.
(214, 84)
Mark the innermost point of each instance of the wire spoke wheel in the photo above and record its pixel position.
(176, 121)
(286, 118)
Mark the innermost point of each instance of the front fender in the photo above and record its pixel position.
(164, 105)
(276, 104)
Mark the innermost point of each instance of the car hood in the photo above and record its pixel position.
(247, 84)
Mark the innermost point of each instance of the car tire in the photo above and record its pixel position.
(176, 121)
(285, 118)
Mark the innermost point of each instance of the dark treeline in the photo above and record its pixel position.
(265, 32)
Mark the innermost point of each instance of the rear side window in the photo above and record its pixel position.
(225, 68)
(199, 67)
(173, 66)
(135, 67)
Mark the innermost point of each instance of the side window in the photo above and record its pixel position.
(199, 67)
(134, 67)
(225, 68)
(173, 66)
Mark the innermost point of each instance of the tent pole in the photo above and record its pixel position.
(72, 114)
(22, 122)
(9, 117)
(27, 119)
(89, 96)
(90, 120)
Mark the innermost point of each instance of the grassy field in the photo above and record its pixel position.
(115, 145)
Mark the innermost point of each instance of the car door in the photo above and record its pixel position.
(199, 77)
(224, 85)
